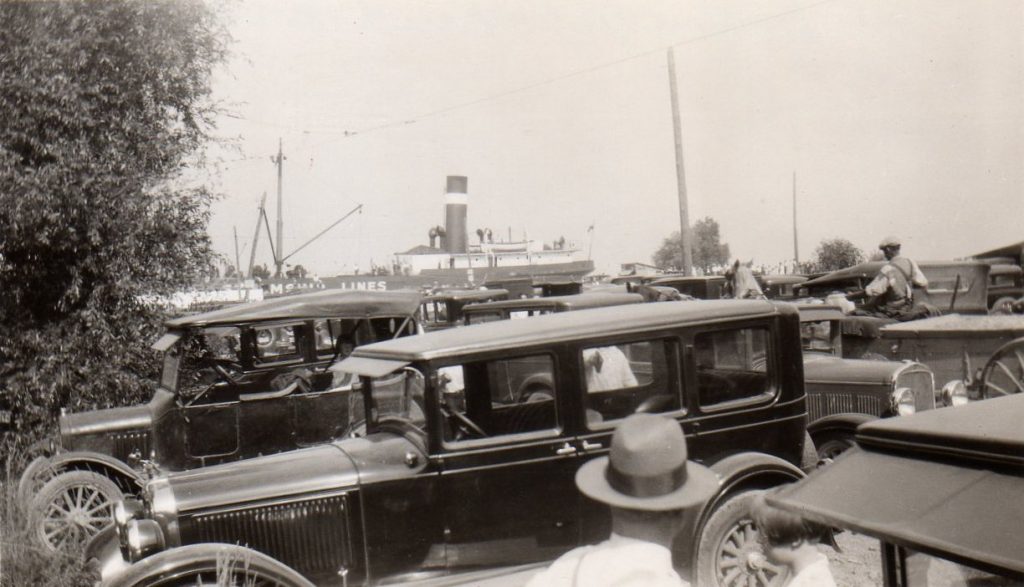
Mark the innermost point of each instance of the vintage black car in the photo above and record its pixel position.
(939, 490)
(526, 307)
(701, 287)
(460, 469)
(780, 286)
(238, 382)
(443, 309)
(844, 393)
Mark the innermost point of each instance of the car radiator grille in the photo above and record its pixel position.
(826, 404)
(922, 385)
(310, 536)
(125, 443)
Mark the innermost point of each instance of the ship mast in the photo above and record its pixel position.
(279, 254)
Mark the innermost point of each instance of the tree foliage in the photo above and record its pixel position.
(708, 250)
(105, 104)
(836, 253)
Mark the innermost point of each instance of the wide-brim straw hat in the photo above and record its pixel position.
(647, 468)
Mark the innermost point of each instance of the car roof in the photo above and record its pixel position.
(870, 269)
(467, 294)
(563, 326)
(961, 325)
(569, 302)
(782, 278)
(333, 303)
(944, 482)
(687, 279)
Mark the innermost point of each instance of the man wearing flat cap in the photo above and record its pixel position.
(891, 292)
(647, 482)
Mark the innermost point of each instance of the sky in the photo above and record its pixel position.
(897, 117)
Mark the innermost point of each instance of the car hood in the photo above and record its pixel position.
(821, 367)
(343, 464)
(109, 420)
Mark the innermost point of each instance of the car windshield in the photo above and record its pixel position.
(816, 336)
(397, 396)
(192, 364)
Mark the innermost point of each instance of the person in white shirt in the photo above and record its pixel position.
(648, 483)
(891, 292)
(792, 541)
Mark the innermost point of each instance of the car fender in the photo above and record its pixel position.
(741, 471)
(846, 422)
(194, 558)
(128, 479)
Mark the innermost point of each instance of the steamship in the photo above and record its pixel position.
(450, 260)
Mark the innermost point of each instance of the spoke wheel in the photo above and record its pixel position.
(220, 565)
(1004, 372)
(730, 554)
(35, 475)
(71, 508)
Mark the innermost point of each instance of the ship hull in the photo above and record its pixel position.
(434, 278)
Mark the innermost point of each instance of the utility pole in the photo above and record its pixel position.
(238, 263)
(279, 256)
(256, 237)
(796, 248)
(684, 211)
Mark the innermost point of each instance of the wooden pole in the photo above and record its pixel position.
(238, 262)
(279, 257)
(256, 237)
(796, 247)
(684, 211)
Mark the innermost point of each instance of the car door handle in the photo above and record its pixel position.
(592, 446)
(567, 449)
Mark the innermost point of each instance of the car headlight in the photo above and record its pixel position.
(143, 538)
(903, 401)
(124, 512)
(954, 393)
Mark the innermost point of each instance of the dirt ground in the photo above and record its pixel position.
(858, 563)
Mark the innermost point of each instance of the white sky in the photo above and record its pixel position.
(901, 117)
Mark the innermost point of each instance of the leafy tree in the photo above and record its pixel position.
(836, 253)
(104, 105)
(708, 250)
(260, 272)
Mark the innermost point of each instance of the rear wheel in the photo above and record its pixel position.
(830, 446)
(1004, 372)
(71, 508)
(729, 553)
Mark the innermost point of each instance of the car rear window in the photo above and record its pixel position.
(732, 366)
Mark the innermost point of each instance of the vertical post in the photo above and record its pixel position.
(796, 248)
(684, 212)
(238, 262)
(256, 237)
(279, 257)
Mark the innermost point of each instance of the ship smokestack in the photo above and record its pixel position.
(455, 201)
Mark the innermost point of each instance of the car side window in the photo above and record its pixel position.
(732, 365)
(628, 378)
(497, 398)
(277, 344)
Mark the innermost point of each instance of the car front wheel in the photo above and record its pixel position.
(831, 446)
(71, 508)
(729, 553)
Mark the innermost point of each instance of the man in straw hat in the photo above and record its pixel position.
(647, 482)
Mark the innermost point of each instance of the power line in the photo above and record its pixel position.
(503, 94)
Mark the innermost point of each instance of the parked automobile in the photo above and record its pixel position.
(239, 382)
(702, 287)
(526, 307)
(939, 490)
(444, 309)
(843, 393)
(1005, 285)
(780, 286)
(460, 469)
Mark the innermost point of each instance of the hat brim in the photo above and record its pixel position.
(701, 484)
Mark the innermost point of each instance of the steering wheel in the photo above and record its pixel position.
(464, 427)
(222, 366)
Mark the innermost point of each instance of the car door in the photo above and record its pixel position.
(507, 475)
(620, 378)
